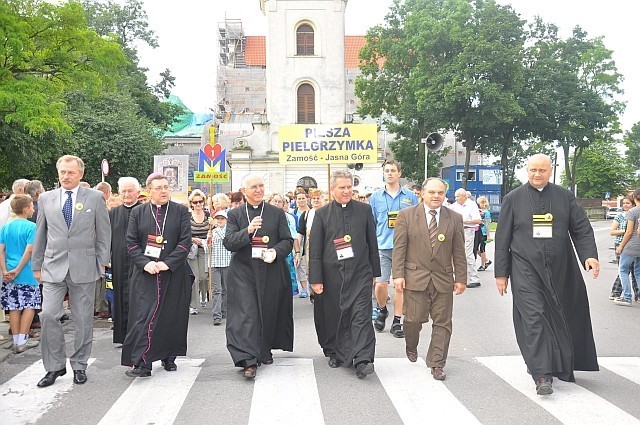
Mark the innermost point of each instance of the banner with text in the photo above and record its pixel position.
(324, 144)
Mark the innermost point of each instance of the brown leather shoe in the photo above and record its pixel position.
(249, 372)
(412, 354)
(438, 373)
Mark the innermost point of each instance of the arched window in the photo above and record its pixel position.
(306, 104)
(307, 183)
(304, 40)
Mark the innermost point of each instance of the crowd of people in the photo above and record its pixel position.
(148, 263)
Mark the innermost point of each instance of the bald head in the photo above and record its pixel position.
(539, 170)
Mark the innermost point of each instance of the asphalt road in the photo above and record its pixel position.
(486, 379)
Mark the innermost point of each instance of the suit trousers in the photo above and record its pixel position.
(52, 343)
(418, 306)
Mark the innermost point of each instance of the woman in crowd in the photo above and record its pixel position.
(280, 202)
(20, 292)
(485, 232)
(304, 231)
(200, 226)
(618, 227)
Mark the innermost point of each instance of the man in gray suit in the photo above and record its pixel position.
(428, 247)
(71, 248)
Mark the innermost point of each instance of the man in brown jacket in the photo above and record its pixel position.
(428, 247)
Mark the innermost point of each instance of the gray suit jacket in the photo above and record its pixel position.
(415, 261)
(81, 250)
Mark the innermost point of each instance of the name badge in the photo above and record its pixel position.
(258, 247)
(153, 249)
(543, 226)
(343, 247)
(391, 219)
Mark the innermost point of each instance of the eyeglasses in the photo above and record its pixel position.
(197, 202)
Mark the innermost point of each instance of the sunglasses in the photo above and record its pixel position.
(197, 202)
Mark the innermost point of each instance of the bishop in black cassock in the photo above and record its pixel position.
(259, 302)
(550, 306)
(160, 285)
(342, 309)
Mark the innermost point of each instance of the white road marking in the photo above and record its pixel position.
(277, 385)
(155, 400)
(22, 402)
(417, 396)
(570, 403)
(627, 367)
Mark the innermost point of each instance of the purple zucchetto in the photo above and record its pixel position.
(155, 176)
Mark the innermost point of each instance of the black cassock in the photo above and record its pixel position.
(342, 313)
(120, 265)
(158, 304)
(550, 306)
(259, 302)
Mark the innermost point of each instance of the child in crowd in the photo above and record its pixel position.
(220, 258)
(20, 292)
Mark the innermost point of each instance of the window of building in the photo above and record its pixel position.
(306, 104)
(471, 177)
(307, 183)
(304, 40)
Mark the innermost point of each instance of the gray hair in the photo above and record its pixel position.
(340, 174)
(248, 177)
(123, 181)
(103, 187)
(69, 158)
(19, 185)
(33, 188)
(461, 191)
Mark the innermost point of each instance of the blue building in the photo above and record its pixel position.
(483, 180)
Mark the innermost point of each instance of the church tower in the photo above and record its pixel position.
(305, 72)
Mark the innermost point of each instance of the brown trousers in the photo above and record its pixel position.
(418, 306)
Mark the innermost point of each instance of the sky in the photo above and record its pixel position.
(187, 34)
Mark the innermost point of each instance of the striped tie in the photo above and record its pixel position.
(433, 228)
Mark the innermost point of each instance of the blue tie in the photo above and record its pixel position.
(67, 209)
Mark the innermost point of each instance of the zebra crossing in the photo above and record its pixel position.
(411, 391)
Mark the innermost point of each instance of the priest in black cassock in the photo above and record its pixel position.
(158, 241)
(128, 189)
(343, 262)
(259, 302)
(540, 224)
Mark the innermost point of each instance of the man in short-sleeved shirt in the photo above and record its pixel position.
(385, 204)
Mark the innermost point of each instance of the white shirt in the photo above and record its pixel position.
(469, 211)
(63, 199)
(426, 211)
(5, 211)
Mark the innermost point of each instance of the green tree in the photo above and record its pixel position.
(110, 126)
(600, 169)
(46, 50)
(448, 65)
(632, 142)
(128, 23)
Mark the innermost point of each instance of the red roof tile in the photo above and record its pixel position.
(256, 50)
(255, 53)
(352, 46)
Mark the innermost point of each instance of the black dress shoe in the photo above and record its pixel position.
(79, 376)
(473, 285)
(269, 360)
(544, 386)
(333, 363)
(249, 372)
(169, 365)
(138, 372)
(363, 369)
(51, 377)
